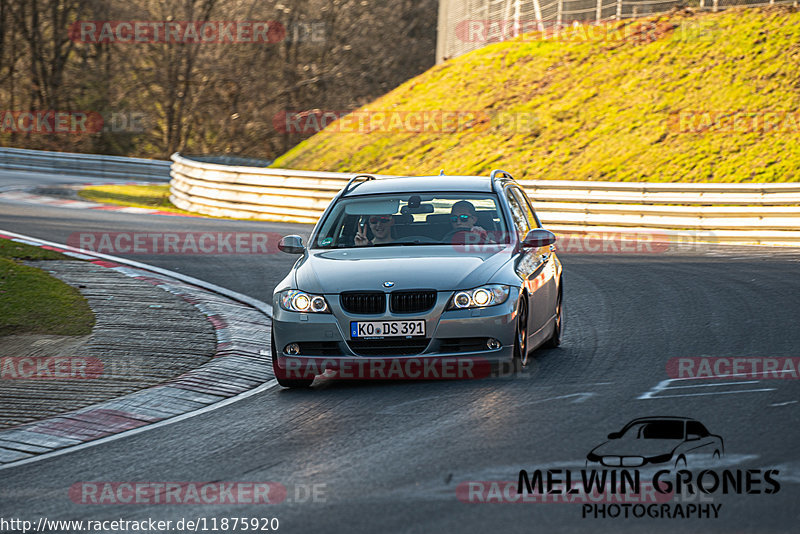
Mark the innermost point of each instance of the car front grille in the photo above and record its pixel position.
(388, 347)
(412, 301)
(364, 303)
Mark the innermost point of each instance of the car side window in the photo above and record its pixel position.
(518, 216)
(525, 202)
(695, 427)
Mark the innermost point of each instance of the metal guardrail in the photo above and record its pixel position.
(757, 213)
(93, 165)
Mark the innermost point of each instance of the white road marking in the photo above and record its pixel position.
(178, 418)
(717, 384)
(582, 397)
(259, 305)
(776, 404)
(664, 385)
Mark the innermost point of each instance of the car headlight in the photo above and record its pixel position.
(480, 297)
(299, 301)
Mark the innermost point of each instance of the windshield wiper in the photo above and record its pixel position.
(406, 244)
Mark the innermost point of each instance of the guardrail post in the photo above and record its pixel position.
(598, 12)
(559, 9)
(716, 6)
(619, 9)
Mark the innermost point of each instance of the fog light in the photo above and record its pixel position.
(292, 348)
(493, 344)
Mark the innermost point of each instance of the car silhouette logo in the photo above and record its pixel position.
(388, 284)
(657, 440)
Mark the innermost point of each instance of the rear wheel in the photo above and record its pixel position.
(555, 338)
(521, 336)
(280, 374)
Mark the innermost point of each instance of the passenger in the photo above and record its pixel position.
(381, 227)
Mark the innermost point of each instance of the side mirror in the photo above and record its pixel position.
(614, 435)
(692, 437)
(291, 244)
(539, 237)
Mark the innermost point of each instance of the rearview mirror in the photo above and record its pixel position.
(291, 244)
(539, 237)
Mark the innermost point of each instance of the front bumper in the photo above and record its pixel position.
(451, 335)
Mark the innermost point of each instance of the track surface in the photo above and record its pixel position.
(390, 455)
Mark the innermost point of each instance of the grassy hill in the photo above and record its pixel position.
(587, 108)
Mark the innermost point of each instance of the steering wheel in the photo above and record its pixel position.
(448, 238)
(420, 238)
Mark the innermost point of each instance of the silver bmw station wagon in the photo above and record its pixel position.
(418, 277)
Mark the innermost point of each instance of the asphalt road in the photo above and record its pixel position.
(389, 456)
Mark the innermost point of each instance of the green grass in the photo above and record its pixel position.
(597, 110)
(138, 196)
(32, 301)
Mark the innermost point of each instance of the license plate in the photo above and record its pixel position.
(362, 329)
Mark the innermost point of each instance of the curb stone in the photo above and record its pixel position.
(242, 335)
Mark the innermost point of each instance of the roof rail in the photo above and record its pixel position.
(356, 177)
(501, 173)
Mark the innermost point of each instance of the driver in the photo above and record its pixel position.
(463, 217)
(381, 227)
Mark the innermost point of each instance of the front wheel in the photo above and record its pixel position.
(521, 336)
(280, 374)
(555, 338)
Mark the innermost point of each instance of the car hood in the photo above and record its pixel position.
(415, 267)
(637, 447)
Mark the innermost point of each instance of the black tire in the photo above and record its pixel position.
(280, 374)
(555, 339)
(521, 334)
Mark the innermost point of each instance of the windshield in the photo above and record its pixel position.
(413, 219)
(656, 430)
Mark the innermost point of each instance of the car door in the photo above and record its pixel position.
(529, 267)
(548, 293)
